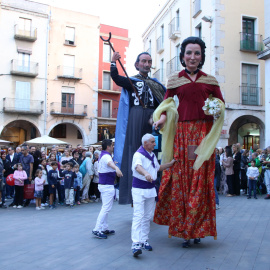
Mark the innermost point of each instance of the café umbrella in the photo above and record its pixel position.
(45, 140)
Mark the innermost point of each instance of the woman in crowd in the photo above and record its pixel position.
(186, 196)
(66, 156)
(244, 166)
(228, 165)
(223, 189)
(96, 176)
(236, 168)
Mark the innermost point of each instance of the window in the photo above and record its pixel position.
(69, 61)
(25, 26)
(177, 52)
(162, 35)
(70, 36)
(198, 30)
(248, 38)
(162, 70)
(67, 103)
(106, 81)
(60, 131)
(106, 52)
(106, 108)
(24, 62)
(177, 20)
(250, 89)
(22, 96)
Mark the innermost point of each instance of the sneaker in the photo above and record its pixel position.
(267, 197)
(78, 203)
(136, 250)
(84, 201)
(147, 246)
(99, 235)
(61, 203)
(248, 197)
(197, 240)
(229, 195)
(14, 206)
(19, 206)
(42, 208)
(108, 232)
(38, 208)
(97, 200)
(46, 204)
(186, 244)
(217, 206)
(54, 207)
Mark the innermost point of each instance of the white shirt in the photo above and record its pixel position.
(139, 159)
(103, 164)
(11, 157)
(253, 172)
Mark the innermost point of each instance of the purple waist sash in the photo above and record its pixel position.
(107, 178)
(138, 183)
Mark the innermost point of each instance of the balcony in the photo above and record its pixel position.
(174, 29)
(251, 42)
(69, 73)
(251, 95)
(159, 75)
(173, 65)
(28, 69)
(160, 44)
(22, 106)
(196, 8)
(23, 34)
(74, 110)
(108, 114)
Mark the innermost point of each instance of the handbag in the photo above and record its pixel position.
(28, 191)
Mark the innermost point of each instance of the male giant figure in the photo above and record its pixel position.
(133, 119)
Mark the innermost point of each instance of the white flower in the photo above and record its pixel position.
(212, 104)
(204, 108)
(211, 111)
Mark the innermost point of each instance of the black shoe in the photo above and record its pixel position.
(11, 205)
(2, 205)
(256, 198)
(186, 244)
(248, 197)
(267, 197)
(109, 232)
(197, 240)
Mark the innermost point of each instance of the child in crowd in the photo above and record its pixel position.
(19, 176)
(46, 194)
(77, 183)
(69, 177)
(52, 180)
(39, 182)
(252, 174)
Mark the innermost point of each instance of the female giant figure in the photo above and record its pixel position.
(187, 196)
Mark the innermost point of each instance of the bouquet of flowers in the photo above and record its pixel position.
(212, 106)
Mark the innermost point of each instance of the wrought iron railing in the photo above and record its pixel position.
(251, 95)
(173, 27)
(251, 42)
(173, 65)
(29, 69)
(24, 34)
(23, 106)
(107, 114)
(69, 72)
(160, 44)
(58, 108)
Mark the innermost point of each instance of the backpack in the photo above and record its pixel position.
(82, 169)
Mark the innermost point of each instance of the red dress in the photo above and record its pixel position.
(187, 197)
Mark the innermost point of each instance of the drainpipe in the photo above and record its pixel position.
(46, 74)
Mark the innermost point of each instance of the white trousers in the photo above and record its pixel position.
(85, 187)
(267, 180)
(69, 195)
(107, 193)
(142, 213)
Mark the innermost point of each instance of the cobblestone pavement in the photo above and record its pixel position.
(62, 239)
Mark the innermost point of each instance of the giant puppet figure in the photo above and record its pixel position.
(134, 117)
(186, 195)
